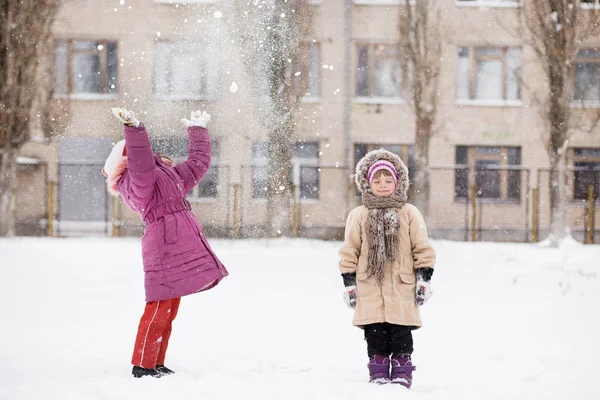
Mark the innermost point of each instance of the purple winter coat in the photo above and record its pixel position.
(177, 257)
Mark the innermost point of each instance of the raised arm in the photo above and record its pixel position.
(197, 164)
(140, 160)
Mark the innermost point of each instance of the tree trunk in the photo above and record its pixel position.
(289, 23)
(421, 187)
(279, 188)
(558, 198)
(8, 186)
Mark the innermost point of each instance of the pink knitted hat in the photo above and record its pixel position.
(379, 165)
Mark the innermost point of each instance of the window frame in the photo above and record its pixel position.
(472, 75)
(382, 2)
(472, 172)
(212, 74)
(259, 162)
(590, 5)
(300, 162)
(587, 60)
(308, 96)
(572, 159)
(185, 1)
(405, 87)
(489, 3)
(103, 72)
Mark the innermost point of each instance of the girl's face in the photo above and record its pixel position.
(383, 185)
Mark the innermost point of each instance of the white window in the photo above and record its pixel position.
(85, 66)
(313, 70)
(305, 170)
(590, 4)
(587, 76)
(379, 72)
(489, 3)
(185, 1)
(260, 171)
(184, 70)
(488, 73)
(382, 2)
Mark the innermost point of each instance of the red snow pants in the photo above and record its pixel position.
(154, 332)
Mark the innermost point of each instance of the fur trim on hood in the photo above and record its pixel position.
(363, 165)
(115, 176)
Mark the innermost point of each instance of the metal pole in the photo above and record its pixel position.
(590, 216)
(534, 215)
(51, 214)
(526, 204)
(474, 216)
(114, 228)
(236, 195)
(294, 211)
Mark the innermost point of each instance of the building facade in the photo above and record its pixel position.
(165, 58)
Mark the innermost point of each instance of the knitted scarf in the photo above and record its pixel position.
(383, 224)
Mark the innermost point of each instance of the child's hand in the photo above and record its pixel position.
(197, 118)
(423, 292)
(126, 117)
(350, 296)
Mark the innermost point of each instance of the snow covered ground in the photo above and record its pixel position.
(507, 321)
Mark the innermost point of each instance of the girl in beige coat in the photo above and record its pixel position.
(386, 263)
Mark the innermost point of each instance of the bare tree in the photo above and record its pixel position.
(556, 31)
(421, 51)
(25, 48)
(288, 26)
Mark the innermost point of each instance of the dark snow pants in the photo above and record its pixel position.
(386, 339)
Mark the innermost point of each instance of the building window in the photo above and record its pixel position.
(260, 170)
(488, 73)
(185, 1)
(177, 149)
(84, 66)
(587, 76)
(404, 151)
(586, 172)
(590, 4)
(498, 3)
(309, 78)
(184, 70)
(379, 72)
(305, 169)
(382, 2)
(495, 171)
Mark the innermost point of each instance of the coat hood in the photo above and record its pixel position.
(363, 165)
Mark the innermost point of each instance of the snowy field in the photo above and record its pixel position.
(507, 321)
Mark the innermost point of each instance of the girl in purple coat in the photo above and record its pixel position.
(177, 258)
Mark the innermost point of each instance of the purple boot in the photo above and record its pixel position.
(379, 369)
(402, 369)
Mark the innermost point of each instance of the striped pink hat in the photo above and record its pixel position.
(379, 165)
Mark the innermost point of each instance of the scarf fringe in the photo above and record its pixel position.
(383, 224)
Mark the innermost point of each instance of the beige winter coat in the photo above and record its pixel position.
(394, 301)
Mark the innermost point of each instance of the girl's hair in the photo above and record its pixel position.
(382, 172)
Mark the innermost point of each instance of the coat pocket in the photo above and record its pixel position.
(170, 229)
(366, 286)
(404, 285)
